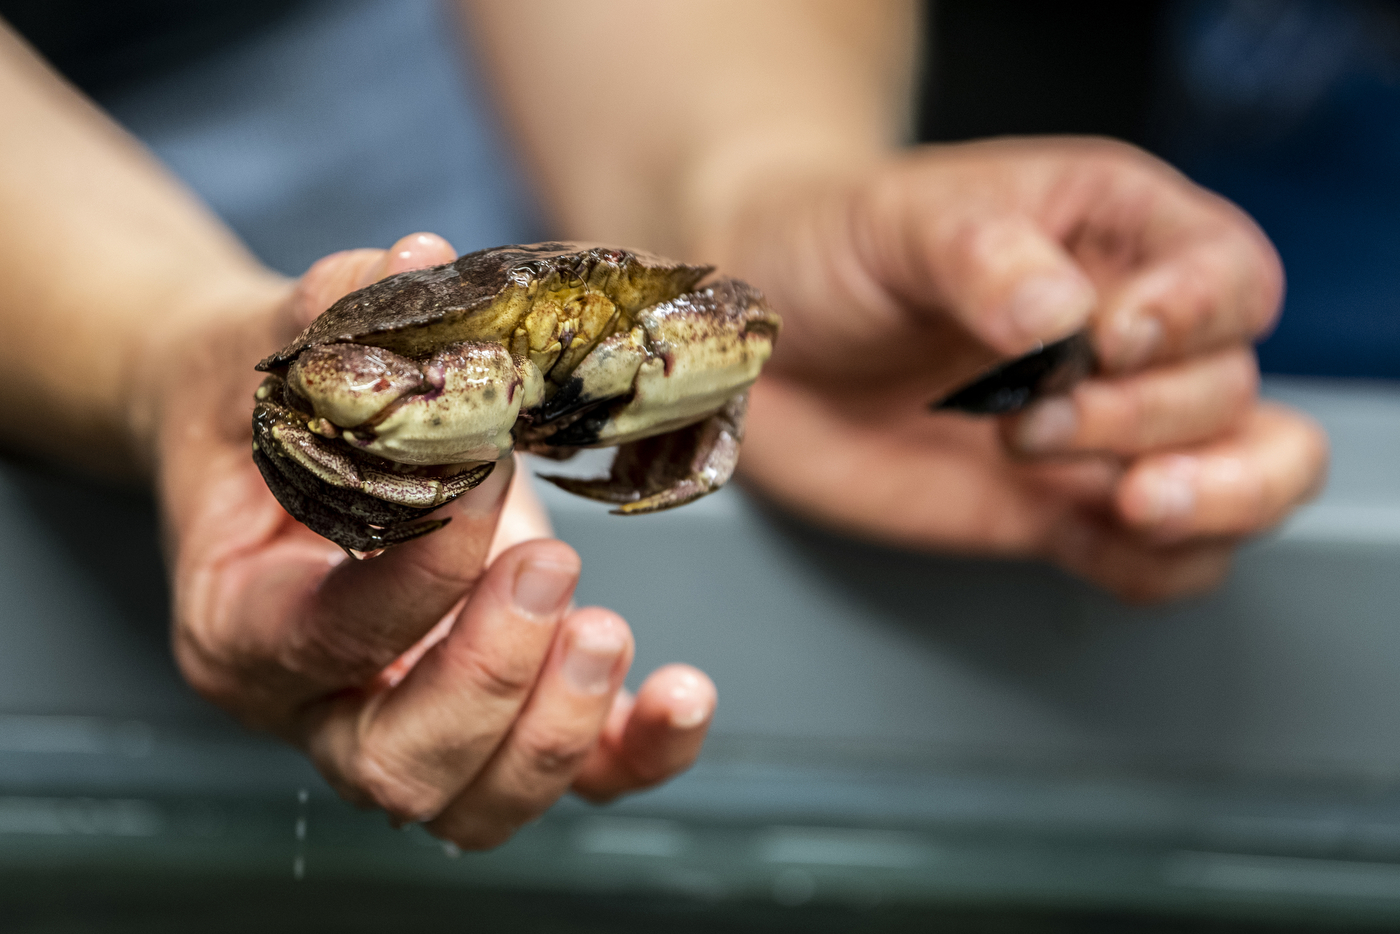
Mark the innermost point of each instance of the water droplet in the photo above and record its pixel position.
(299, 834)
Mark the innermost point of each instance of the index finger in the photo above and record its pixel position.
(1210, 278)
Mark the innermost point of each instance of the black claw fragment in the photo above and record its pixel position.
(353, 519)
(328, 517)
(669, 470)
(1012, 386)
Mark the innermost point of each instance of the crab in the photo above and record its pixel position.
(404, 395)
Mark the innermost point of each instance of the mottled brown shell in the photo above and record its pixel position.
(480, 296)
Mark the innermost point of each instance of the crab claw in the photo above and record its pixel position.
(338, 493)
(669, 470)
(456, 407)
(684, 360)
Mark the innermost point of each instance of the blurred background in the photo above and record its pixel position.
(902, 740)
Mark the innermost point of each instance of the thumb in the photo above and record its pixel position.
(1002, 277)
(332, 277)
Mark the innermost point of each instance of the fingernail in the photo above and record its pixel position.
(1170, 490)
(1133, 341)
(1049, 425)
(592, 655)
(691, 704)
(542, 588)
(1047, 307)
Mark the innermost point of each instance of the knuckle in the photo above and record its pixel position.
(200, 668)
(318, 652)
(967, 243)
(1116, 153)
(986, 248)
(214, 671)
(391, 787)
(555, 752)
(470, 825)
(516, 808)
(495, 675)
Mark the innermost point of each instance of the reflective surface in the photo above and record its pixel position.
(899, 737)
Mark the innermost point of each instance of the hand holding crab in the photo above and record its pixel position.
(447, 681)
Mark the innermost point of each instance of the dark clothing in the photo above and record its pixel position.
(1291, 108)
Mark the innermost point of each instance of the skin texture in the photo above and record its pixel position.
(450, 681)
(902, 273)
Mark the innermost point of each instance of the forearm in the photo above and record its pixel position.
(645, 121)
(103, 257)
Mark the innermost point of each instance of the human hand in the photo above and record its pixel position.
(448, 681)
(902, 280)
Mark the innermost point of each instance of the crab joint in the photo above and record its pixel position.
(458, 406)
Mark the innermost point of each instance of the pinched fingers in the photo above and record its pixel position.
(1240, 485)
(1166, 406)
(413, 747)
(553, 736)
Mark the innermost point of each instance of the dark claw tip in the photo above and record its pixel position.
(1014, 385)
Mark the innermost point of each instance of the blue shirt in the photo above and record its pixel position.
(1291, 108)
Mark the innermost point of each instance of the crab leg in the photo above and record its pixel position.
(671, 469)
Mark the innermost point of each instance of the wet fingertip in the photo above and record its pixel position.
(685, 694)
(690, 706)
(416, 251)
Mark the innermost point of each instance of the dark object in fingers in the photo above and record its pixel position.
(1012, 386)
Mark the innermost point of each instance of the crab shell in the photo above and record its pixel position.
(403, 395)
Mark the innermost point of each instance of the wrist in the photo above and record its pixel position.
(723, 188)
(200, 327)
